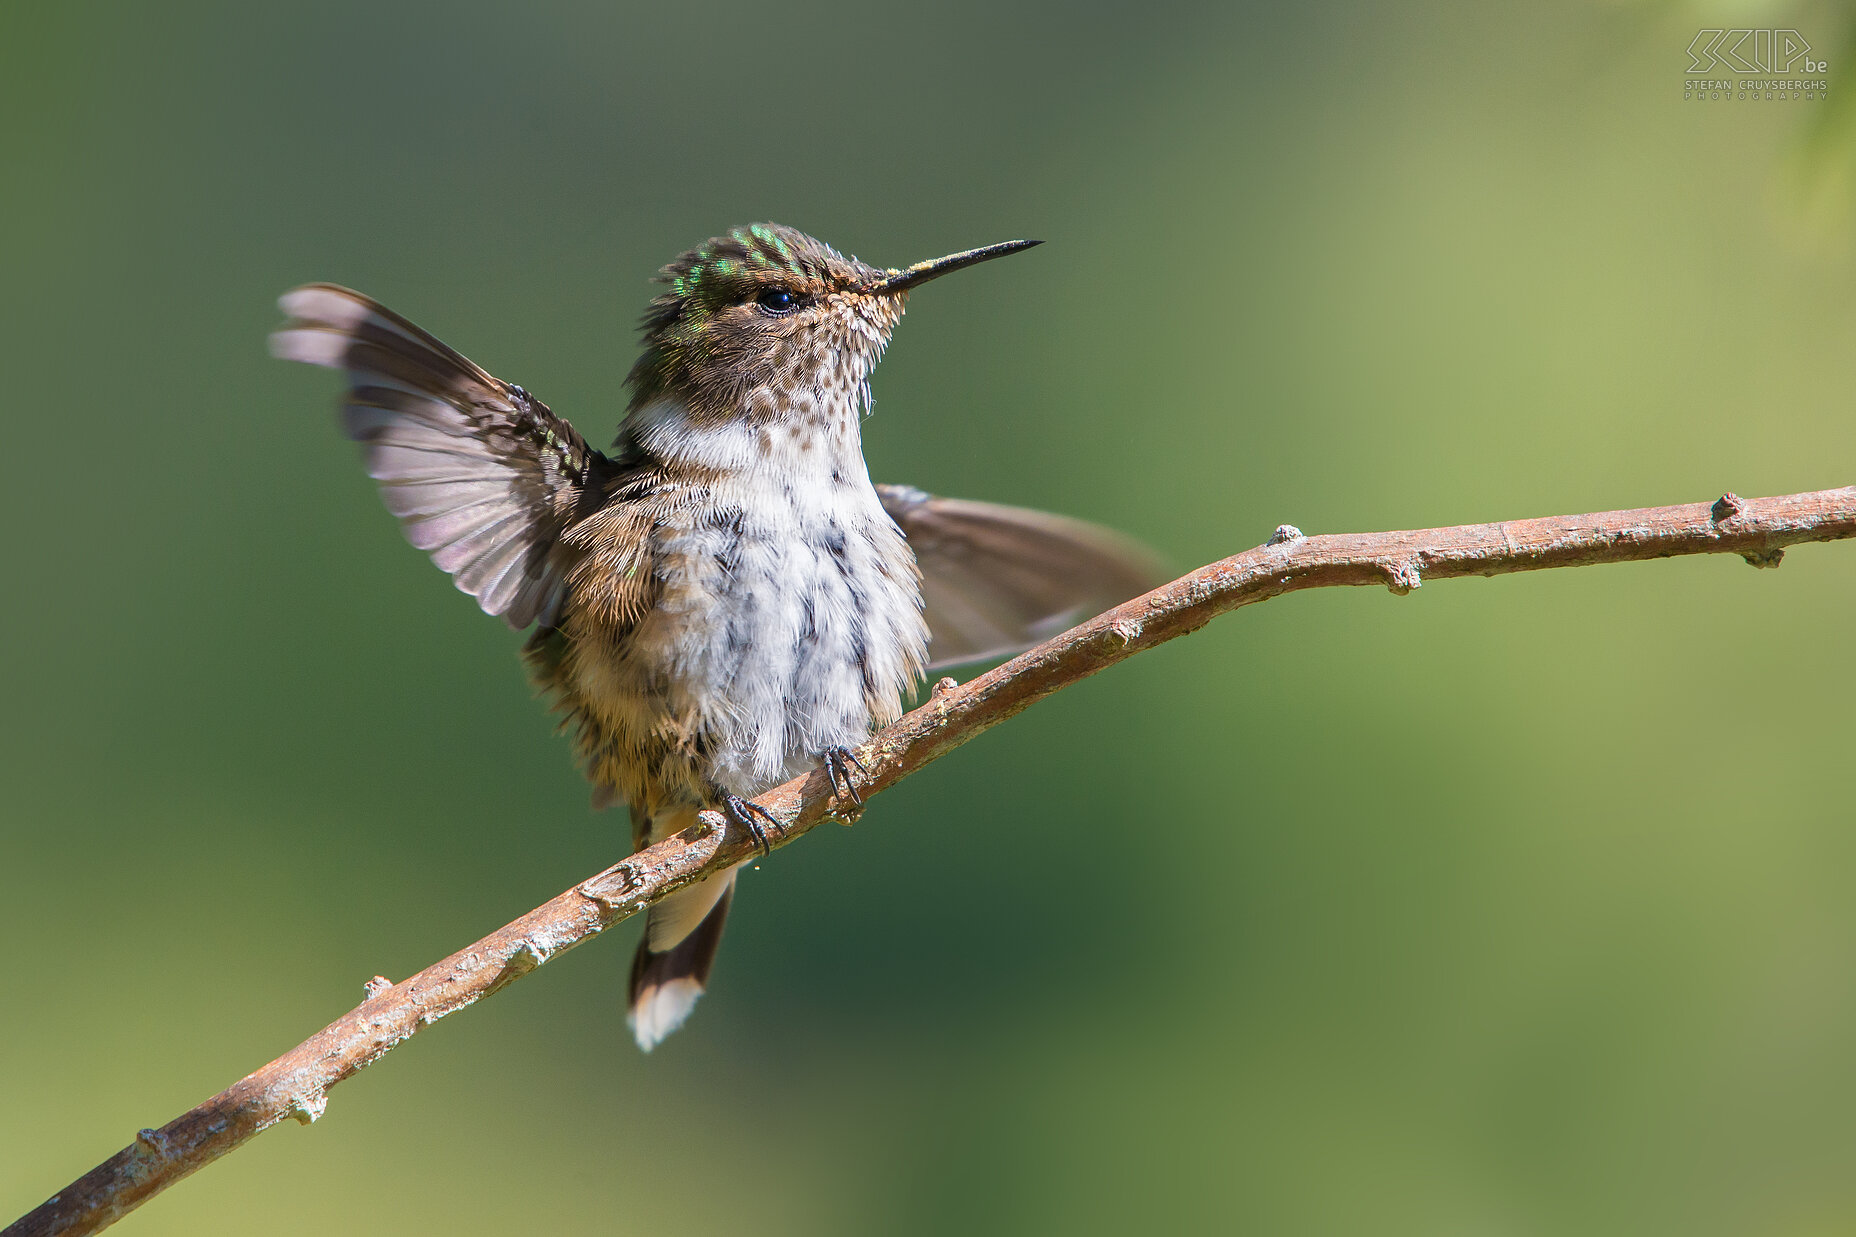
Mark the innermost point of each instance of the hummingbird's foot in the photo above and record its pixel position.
(839, 761)
(743, 813)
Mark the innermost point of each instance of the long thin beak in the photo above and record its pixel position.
(922, 272)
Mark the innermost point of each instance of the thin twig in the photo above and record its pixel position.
(296, 1084)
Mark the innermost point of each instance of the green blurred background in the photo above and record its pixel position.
(1512, 907)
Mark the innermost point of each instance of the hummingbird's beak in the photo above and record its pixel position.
(922, 272)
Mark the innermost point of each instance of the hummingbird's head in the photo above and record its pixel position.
(766, 323)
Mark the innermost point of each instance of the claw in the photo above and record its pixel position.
(839, 761)
(744, 812)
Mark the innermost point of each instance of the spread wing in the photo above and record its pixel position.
(997, 580)
(481, 475)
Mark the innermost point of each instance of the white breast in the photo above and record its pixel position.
(790, 615)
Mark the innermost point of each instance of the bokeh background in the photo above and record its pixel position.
(1519, 906)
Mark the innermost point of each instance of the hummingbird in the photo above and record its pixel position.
(722, 600)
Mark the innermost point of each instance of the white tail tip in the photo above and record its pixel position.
(661, 1010)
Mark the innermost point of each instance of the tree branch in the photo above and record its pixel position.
(296, 1084)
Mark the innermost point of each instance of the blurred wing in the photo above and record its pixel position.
(481, 475)
(997, 580)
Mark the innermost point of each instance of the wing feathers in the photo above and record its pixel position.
(481, 475)
(997, 580)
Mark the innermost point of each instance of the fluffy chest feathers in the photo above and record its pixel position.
(777, 609)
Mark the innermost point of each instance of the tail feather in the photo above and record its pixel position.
(666, 980)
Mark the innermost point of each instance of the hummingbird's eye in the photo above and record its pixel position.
(778, 300)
